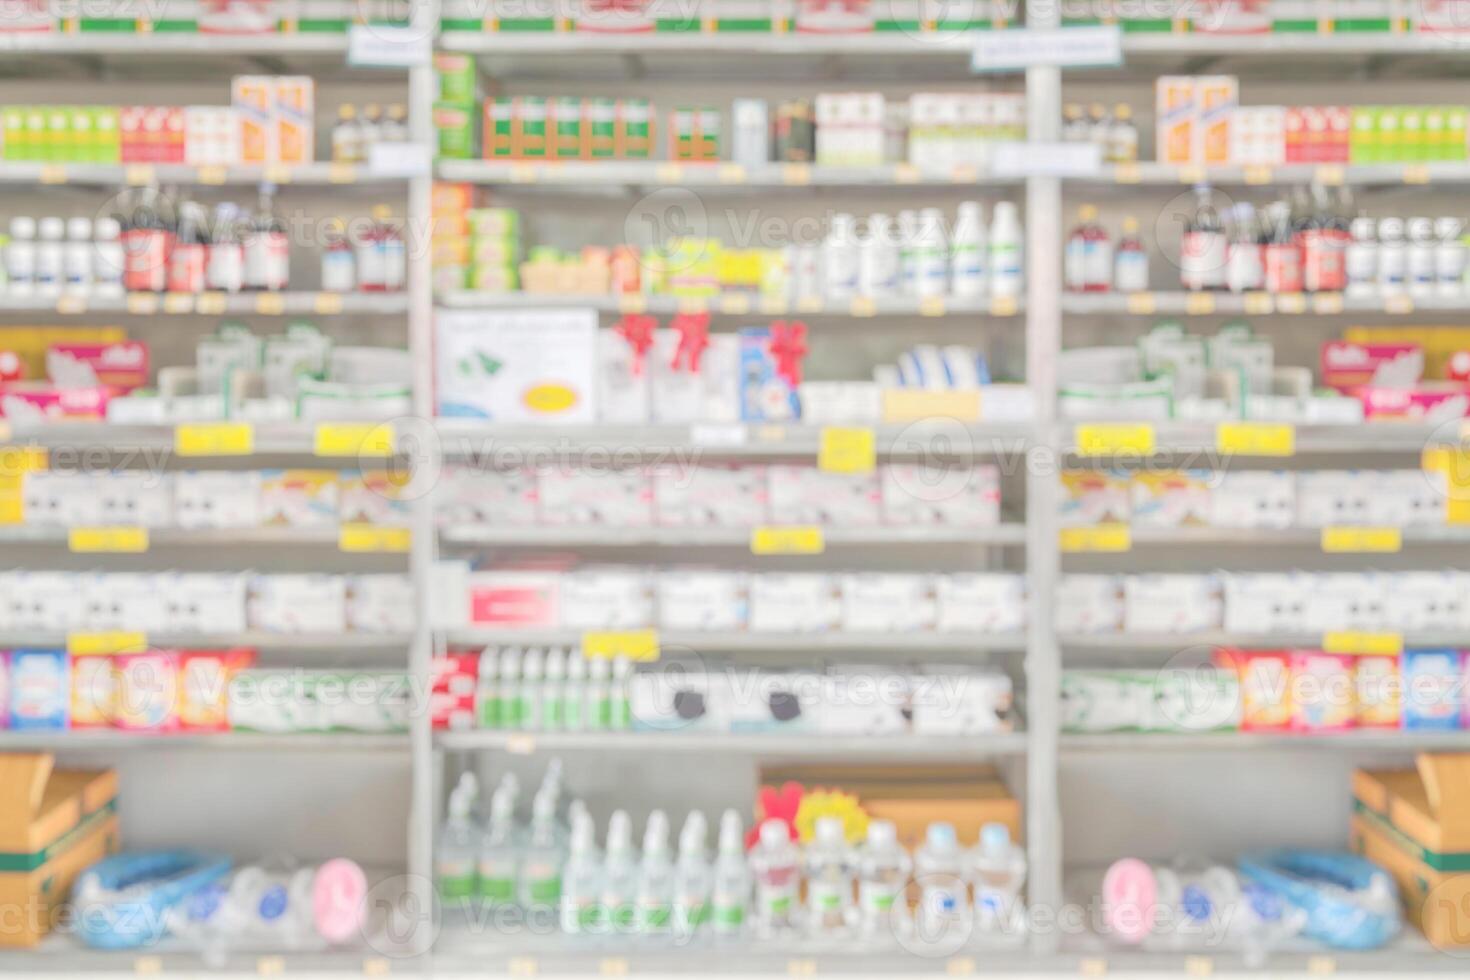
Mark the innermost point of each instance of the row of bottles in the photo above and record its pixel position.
(552, 690)
(686, 892)
(373, 260)
(1115, 133)
(355, 132)
(1092, 265)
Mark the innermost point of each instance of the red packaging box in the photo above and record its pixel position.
(204, 687)
(123, 365)
(1443, 401)
(1345, 364)
(452, 712)
(1296, 134)
(1265, 678)
(171, 149)
(1339, 132)
(27, 399)
(130, 133)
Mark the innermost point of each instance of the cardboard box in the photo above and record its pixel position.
(1416, 825)
(53, 824)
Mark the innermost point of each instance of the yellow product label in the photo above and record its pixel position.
(631, 303)
(178, 303)
(1398, 305)
(773, 305)
(1199, 304)
(142, 304)
(214, 439)
(863, 306)
(1416, 174)
(1126, 173)
(1142, 304)
(1108, 439)
(327, 304)
(139, 175)
(1103, 537)
(211, 175)
(210, 304)
(1457, 511)
(342, 173)
(931, 306)
(693, 304)
(906, 173)
(1191, 175)
(270, 304)
(1327, 304)
(810, 304)
(847, 450)
(964, 173)
(735, 304)
(1256, 438)
(128, 540)
(1004, 306)
(373, 537)
(354, 439)
(731, 173)
(1258, 304)
(796, 174)
(12, 507)
(633, 644)
(1377, 540)
(1331, 175)
(787, 541)
(1355, 641)
(1258, 175)
(53, 174)
(669, 173)
(1291, 303)
(278, 174)
(71, 305)
(95, 644)
(550, 399)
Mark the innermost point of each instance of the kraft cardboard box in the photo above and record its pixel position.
(1416, 824)
(54, 823)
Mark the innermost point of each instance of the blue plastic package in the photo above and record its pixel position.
(122, 902)
(1350, 902)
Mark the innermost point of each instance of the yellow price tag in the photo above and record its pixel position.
(773, 305)
(354, 439)
(1354, 641)
(147, 966)
(71, 305)
(376, 966)
(1374, 540)
(810, 304)
(669, 173)
(1291, 303)
(902, 405)
(847, 450)
(342, 173)
(1256, 438)
(796, 174)
(1191, 175)
(1258, 175)
(931, 306)
(211, 303)
(1321, 966)
(1199, 966)
(613, 966)
(735, 304)
(1399, 305)
(214, 439)
(277, 174)
(1126, 173)
(802, 968)
(1093, 967)
(1111, 538)
(1115, 438)
(1330, 175)
(1456, 512)
(139, 175)
(633, 644)
(731, 173)
(98, 644)
(964, 173)
(906, 173)
(524, 173)
(960, 966)
(211, 175)
(1416, 174)
(53, 174)
(1003, 306)
(142, 304)
(327, 304)
(12, 507)
(632, 303)
(1199, 304)
(178, 303)
(1142, 304)
(863, 306)
(373, 537)
(270, 304)
(787, 541)
(1327, 304)
(126, 540)
(1258, 304)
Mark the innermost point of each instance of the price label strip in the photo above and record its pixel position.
(116, 540)
(215, 439)
(361, 538)
(1255, 439)
(847, 450)
(787, 541)
(1363, 540)
(1358, 642)
(1102, 538)
(1113, 439)
(354, 439)
(100, 644)
(633, 644)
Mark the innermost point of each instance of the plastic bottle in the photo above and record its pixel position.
(619, 877)
(145, 245)
(598, 695)
(1420, 265)
(372, 127)
(528, 692)
(339, 268)
(188, 260)
(1130, 262)
(511, 709)
(542, 860)
(262, 909)
(730, 895)
(395, 124)
(878, 259)
(1324, 255)
(77, 260)
(1204, 250)
(347, 146)
(51, 257)
(655, 896)
(553, 691)
(829, 876)
(944, 906)
(908, 232)
(225, 263)
(574, 695)
(1074, 123)
(1006, 275)
(775, 863)
(883, 869)
(1449, 256)
(693, 878)
(499, 856)
(459, 843)
(1099, 127)
(20, 256)
(1392, 257)
(998, 871)
(1088, 258)
(840, 259)
(967, 272)
(581, 880)
(1362, 259)
(1282, 253)
(621, 716)
(1246, 264)
(266, 249)
(107, 264)
(1122, 136)
(931, 255)
(392, 250)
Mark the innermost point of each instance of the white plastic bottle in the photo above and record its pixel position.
(731, 894)
(693, 878)
(908, 233)
(829, 877)
(1420, 267)
(108, 262)
(499, 861)
(553, 691)
(510, 688)
(967, 273)
(20, 256)
(77, 263)
(944, 905)
(1361, 261)
(51, 257)
(619, 877)
(883, 869)
(618, 696)
(528, 692)
(878, 259)
(489, 706)
(542, 860)
(840, 259)
(931, 255)
(598, 695)
(775, 863)
(1449, 256)
(998, 871)
(581, 880)
(655, 896)
(1392, 257)
(459, 843)
(1130, 260)
(1007, 277)
(574, 694)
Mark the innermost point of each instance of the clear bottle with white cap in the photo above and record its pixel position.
(1392, 257)
(108, 261)
(51, 257)
(77, 260)
(459, 843)
(1420, 264)
(543, 858)
(499, 859)
(581, 880)
(840, 259)
(553, 691)
(883, 869)
(931, 255)
(1007, 277)
(878, 259)
(828, 865)
(997, 872)
(619, 877)
(528, 693)
(655, 899)
(693, 878)
(20, 256)
(967, 251)
(1449, 256)
(731, 894)
(944, 901)
(574, 695)
(775, 863)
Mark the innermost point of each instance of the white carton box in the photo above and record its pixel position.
(1171, 603)
(210, 499)
(1421, 601)
(298, 603)
(980, 602)
(604, 497)
(961, 702)
(51, 600)
(624, 388)
(503, 497)
(862, 700)
(888, 602)
(952, 496)
(1254, 499)
(681, 701)
(768, 701)
(206, 602)
(796, 602)
(136, 498)
(381, 604)
(703, 600)
(709, 495)
(808, 495)
(129, 601)
(1265, 602)
(1405, 498)
(1089, 604)
(53, 498)
(1326, 498)
(517, 366)
(607, 598)
(710, 394)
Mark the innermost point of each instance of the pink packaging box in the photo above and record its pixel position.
(1438, 401)
(121, 365)
(1324, 688)
(1345, 365)
(34, 399)
(515, 599)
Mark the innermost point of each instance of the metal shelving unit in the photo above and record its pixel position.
(901, 645)
(814, 745)
(674, 537)
(213, 304)
(601, 175)
(1253, 304)
(738, 304)
(295, 642)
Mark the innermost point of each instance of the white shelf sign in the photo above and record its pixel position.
(387, 46)
(1046, 160)
(1099, 46)
(399, 159)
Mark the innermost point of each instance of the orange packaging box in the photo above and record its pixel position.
(254, 97)
(1176, 116)
(294, 114)
(1216, 98)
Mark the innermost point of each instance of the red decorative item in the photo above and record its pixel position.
(788, 347)
(1458, 368)
(779, 805)
(637, 330)
(693, 339)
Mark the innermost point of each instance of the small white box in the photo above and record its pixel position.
(381, 604)
(1326, 498)
(298, 603)
(606, 497)
(1089, 604)
(1265, 602)
(206, 602)
(503, 497)
(211, 499)
(1254, 499)
(136, 498)
(710, 394)
(980, 602)
(915, 494)
(1422, 601)
(711, 495)
(624, 388)
(52, 498)
(888, 602)
(862, 700)
(607, 598)
(796, 602)
(1405, 498)
(1349, 600)
(129, 601)
(776, 702)
(961, 702)
(680, 701)
(808, 495)
(51, 601)
(699, 600)
(1171, 603)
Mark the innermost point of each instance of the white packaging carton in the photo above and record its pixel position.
(710, 495)
(624, 387)
(473, 495)
(1405, 498)
(612, 497)
(130, 601)
(699, 600)
(980, 602)
(298, 603)
(1171, 603)
(915, 494)
(214, 499)
(769, 701)
(380, 604)
(888, 602)
(1326, 498)
(1089, 604)
(680, 700)
(53, 498)
(1265, 602)
(1254, 499)
(709, 394)
(607, 598)
(517, 366)
(136, 498)
(795, 602)
(1424, 601)
(1337, 602)
(961, 702)
(808, 495)
(52, 601)
(861, 700)
(206, 602)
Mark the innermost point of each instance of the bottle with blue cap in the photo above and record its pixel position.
(944, 899)
(998, 872)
